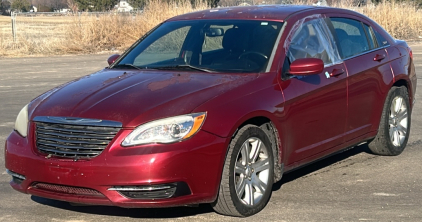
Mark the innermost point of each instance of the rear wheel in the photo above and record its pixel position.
(248, 174)
(394, 128)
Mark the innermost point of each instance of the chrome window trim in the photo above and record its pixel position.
(366, 52)
(277, 42)
(77, 121)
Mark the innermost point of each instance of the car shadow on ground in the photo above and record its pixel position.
(173, 212)
(177, 212)
(320, 164)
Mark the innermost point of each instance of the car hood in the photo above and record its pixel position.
(134, 97)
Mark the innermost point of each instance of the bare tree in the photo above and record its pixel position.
(73, 6)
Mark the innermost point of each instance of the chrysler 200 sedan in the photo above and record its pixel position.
(213, 107)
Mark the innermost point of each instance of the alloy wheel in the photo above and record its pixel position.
(398, 121)
(252, 171)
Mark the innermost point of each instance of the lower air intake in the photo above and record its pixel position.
(66, 189)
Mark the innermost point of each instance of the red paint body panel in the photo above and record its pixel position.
(143, 95)
(117, 166)
(269, 12)
(316, 108)
(314, 115)
(368, 85)
(308, 66)
(403, 67)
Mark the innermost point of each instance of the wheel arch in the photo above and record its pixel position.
(268, 126)
(406, 83)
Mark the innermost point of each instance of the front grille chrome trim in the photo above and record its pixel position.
(77, 121)
(75, 138)
(67, 152)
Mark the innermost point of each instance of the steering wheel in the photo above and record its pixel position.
(254, 53)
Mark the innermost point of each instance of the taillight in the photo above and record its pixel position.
(410, 52)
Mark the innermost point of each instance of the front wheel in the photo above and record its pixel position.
(248, 174)
(394, 128)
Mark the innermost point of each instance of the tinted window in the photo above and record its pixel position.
(351, 36)
(212, 43)
(381, 40)
(207, 45)
(165, 48)
(371, 38)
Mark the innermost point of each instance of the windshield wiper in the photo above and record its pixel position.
(126, 66)
(185, 66)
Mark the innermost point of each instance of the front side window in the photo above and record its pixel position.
(206, 45)
(351, 36)
(311, 38)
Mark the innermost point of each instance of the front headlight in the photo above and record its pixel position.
(168, 130)
(21, 124)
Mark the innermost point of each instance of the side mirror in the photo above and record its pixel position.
(112, 59)
(306, 66)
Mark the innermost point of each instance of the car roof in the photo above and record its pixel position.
(267, 12)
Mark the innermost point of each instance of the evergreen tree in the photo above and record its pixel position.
(213, 3)
(137, 4)
(20, 5)
(83, 5)
(104, 5)
(4, 5)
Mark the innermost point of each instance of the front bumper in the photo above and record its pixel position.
(196, 162)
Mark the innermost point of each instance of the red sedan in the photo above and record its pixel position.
(213, 107)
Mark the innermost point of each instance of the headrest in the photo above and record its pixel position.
(263, 38)
(234, 39)
(341, 34)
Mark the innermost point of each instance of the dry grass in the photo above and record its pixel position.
(117, 31)
(85, 33)
(401, 19)
(89, 34)
(35, 35)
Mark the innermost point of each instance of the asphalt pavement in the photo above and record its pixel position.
(352, 186)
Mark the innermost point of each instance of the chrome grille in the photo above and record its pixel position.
(74, 139)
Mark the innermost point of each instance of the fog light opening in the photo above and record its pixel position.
(16, 178)
(150, 192)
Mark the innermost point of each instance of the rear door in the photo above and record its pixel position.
(368, 70)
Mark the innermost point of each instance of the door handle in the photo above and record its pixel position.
(379, 57)
(336, 72)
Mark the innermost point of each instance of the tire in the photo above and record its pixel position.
(256, 177)
(394, 128)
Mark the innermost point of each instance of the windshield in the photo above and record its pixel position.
(206, 45)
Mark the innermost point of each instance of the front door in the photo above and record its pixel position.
(316, 105)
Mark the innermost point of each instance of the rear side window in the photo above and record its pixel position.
(381, 40)
(351, 37)
(371, 37)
